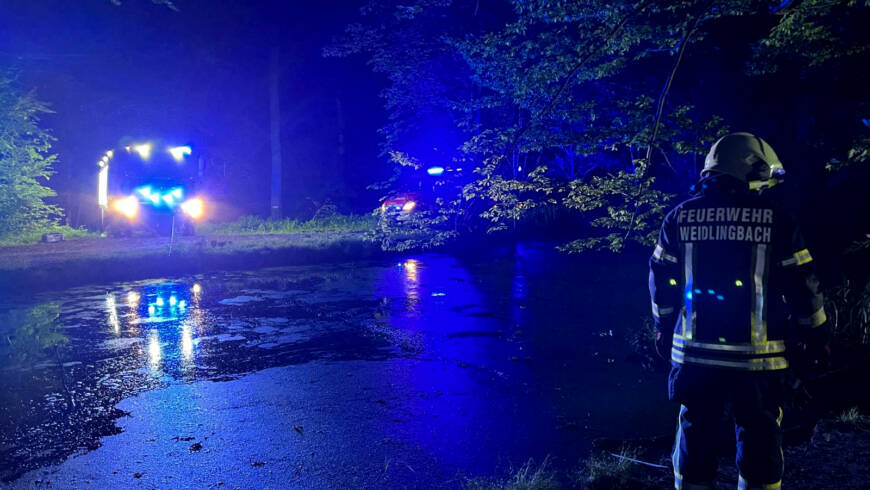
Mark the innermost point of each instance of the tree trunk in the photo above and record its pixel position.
(275, 124)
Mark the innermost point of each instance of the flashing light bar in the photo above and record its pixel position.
(179, 152)
(146, 192)
(144, 150)
(170, 198)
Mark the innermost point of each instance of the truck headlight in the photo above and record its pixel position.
(193, 207)
(127, 206)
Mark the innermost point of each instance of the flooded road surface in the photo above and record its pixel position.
(419, 372)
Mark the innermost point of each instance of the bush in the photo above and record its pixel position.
(848, 310)
(641, 338)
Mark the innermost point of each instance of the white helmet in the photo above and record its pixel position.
(745, 157)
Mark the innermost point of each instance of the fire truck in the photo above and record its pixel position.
(150, 187)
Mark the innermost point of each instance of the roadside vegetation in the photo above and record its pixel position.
(848, 307)
(645, 465)
(255, 225)
(622, 469)
(854, 417)
(530, 476)
(26, 164)
(34, 234)
(601, 470)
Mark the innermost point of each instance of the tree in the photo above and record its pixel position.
(573, 109)
(25, 162)
(579, 93)
(828, 40)
(425, 77)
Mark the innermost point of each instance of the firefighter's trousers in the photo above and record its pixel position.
(756, 400)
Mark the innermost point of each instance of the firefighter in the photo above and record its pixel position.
(728, 276)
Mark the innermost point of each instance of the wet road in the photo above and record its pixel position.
(414, 373)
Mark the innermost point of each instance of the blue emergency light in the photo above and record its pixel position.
(171, 197)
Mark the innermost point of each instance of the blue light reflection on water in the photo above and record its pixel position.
(166, 315)
(512, 352)
(546, 329)
(519, 358)
(479, 394)
(445, 406)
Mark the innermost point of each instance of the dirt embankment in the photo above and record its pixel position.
(60, 265)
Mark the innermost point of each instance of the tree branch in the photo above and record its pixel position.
(684, 42)
(670, 80)
(577, 66)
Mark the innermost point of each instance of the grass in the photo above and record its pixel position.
(255, 225)
(35, 235)
(530, 476)
(605, 470)
(852, 416)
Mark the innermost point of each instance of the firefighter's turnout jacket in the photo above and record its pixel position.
(728, 270)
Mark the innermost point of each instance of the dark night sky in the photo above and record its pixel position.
(199, 74)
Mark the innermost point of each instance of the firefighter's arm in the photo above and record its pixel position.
(664, 278)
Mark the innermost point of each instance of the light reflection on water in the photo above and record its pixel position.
(167, 315)
(444, 407)
(412, 280)
(112, 309)
(501, 343)
(154, 351)
(186, 342)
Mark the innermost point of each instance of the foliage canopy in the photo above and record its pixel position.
(567, 108)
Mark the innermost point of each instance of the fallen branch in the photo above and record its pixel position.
(633, 460)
